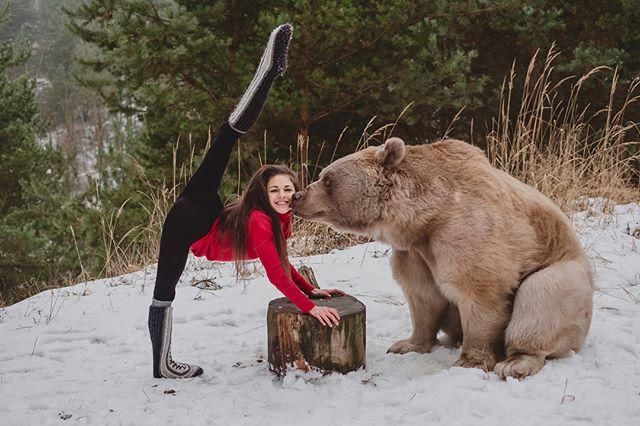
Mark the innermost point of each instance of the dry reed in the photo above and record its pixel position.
(547, 142)
(557, 146)
(551, 143)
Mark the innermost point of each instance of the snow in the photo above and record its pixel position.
(82, 354)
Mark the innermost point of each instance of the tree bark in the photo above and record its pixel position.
(299, 341)
(308, 275)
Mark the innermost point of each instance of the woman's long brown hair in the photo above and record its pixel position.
(234, 218)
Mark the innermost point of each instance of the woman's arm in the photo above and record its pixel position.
(261, 238)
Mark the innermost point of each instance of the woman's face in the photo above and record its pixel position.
(280, 189)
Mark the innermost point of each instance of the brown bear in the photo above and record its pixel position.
(481, 256)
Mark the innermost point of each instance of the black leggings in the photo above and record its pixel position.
(193, 214)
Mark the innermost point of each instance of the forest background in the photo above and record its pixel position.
(106, 106)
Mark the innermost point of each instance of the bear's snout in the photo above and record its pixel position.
(297, 196)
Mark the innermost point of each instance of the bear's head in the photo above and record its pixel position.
(350, 193)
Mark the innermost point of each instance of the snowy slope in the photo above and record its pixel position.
(82, 354)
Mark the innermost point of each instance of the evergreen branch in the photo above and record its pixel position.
(157, 13)
(359, 96)
(198, 85)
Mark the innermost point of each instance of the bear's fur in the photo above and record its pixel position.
(483, 257)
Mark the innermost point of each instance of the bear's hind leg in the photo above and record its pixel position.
(551, 317)
(426, 303)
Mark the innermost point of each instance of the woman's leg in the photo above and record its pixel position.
(197, 207)
(193, 214)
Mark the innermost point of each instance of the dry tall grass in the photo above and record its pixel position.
(140, 245)
(548, 142)
(555, 145)
(551, 143)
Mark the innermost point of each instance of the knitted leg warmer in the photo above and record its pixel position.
(273, 64)
(160, 322)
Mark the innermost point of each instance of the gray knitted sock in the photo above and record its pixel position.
(273, 64)
(160, 303)
(160, 324)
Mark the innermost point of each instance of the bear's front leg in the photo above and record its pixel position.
(426, 303)
(483, 325)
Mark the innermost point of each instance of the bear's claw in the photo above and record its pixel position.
(407, 345)
(519, 366)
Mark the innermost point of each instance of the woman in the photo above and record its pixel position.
(256, 226)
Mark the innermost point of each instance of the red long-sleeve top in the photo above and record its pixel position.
(260, 245)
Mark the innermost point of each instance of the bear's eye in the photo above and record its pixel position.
(326, 181)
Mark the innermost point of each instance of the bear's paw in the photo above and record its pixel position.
(519, 366)
(482, 360)
(408, 345)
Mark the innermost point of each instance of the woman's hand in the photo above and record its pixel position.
(326, 316)
(319, 293)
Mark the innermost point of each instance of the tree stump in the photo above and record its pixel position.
(299, 341)
(308, 274)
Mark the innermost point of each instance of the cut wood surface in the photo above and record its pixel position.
(298, 340)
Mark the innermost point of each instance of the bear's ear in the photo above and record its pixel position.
(391, 153)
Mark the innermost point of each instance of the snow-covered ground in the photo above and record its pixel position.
(82, 354)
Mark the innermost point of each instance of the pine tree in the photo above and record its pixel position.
(181, 64)
(34, 235)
